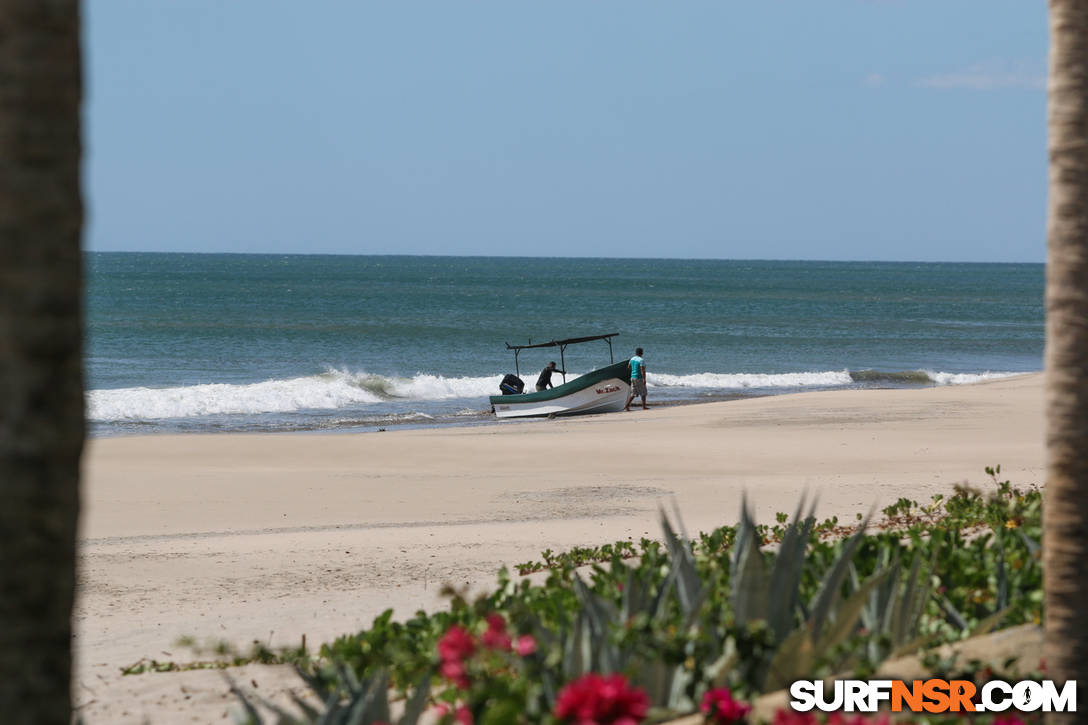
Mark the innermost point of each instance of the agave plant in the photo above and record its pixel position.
(590, 643)
(593, 641)
(763, 593)
(894, 613)
(802, 634)
(362, 702)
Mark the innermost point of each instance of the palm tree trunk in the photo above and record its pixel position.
(1065, 522)
(41, 385)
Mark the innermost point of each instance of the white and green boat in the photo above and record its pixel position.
(601, 391)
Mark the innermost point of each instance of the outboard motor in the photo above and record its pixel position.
(512, 385)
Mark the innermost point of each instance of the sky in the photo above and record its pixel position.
(910, 130)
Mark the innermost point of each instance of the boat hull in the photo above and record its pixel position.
(601, 391)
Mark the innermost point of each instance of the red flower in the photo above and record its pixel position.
(463, 716)
(789, 717)
(456, 644)
(1008, 720)
(496, 637)
(721, 708)
(525, 645)
(596, 700)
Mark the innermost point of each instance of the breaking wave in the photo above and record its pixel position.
(925, 377)
(967, 378)
(880, 376)
(329, 391)
(336, 389)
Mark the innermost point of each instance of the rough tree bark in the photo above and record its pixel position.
(41, 385)
(1065, 517)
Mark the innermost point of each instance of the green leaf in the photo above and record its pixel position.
(829, 589)
(785, 581)
(792, 659)
(751, 581)
(846, 615)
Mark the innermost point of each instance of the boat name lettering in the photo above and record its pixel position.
(608, 389)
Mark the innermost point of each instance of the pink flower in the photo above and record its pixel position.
(525, 645)
(1008, 720)
(454, 671)
(721, 708)
(456, 644)
(789, 717)
(463, 716)
(496, 637)
(596, 700)
(454, 648)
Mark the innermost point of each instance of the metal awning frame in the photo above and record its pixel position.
(562, 345)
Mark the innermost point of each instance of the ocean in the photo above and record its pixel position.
(236, 342)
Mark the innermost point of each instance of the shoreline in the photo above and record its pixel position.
(238, 535)
(668, 395)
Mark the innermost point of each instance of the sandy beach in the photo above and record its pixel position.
(272, 537)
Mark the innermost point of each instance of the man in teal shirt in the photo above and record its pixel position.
(638, 379)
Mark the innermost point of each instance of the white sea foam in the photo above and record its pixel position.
(966, 378)
(732, 381)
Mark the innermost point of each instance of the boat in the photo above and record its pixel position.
(604, 390)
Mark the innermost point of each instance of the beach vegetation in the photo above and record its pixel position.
(363, 701)
(222, 654)
(682, 621)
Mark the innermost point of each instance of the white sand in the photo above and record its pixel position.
(270, 537)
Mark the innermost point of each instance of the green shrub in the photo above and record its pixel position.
(748, 608)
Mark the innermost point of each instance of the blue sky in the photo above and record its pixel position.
(769, 129)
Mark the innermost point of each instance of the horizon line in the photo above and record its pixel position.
(527, 256)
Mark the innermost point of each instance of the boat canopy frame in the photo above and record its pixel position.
(562, 345)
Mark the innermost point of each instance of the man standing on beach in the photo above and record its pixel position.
(638, 379)
(545, 380)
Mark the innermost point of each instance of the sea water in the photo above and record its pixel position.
(226, 342)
